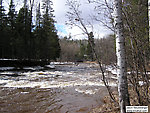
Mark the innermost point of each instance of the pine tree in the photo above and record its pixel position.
(23, 31)
(3, 32)
(49, 48)
(31, 42)
(1, 28)
(1, 13)
(11, 25)
(11, 15)
(37, 33)
(38, 17)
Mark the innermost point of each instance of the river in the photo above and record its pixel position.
(68, 88)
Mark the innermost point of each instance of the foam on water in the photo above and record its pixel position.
(86, 91)
(6, 73)
(112, 69)
(62, 63)
(50, 84)
(6, 68)
(54, 79)
(24, 92)
(5, 81)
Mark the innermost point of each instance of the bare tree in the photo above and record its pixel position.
(105, 48)
(71, 53)
(75, 19)
(105, 9)
(121, 59)
(135, 32)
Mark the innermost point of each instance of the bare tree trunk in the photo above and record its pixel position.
(121, 61)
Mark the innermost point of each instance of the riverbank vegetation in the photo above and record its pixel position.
(79, 50)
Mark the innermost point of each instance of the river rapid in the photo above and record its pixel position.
(68, 88)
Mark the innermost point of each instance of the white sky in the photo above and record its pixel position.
(60, 11)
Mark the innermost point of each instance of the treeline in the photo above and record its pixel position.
(80, 50)
(21, 38)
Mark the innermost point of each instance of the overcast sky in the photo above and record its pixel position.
(87, 10)
(61, 9)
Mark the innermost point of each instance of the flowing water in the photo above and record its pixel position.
(65, 89)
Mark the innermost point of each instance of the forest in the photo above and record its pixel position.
(127, 48)
(23, 39)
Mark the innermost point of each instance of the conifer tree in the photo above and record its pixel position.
(3, 29)
(1, 33)
(23, 30)
(49, 48)
(37, 32)
(11, 25)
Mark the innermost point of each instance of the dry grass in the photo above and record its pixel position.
(111, 107)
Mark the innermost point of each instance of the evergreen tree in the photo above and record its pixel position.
(38, 33)
(3, 35)
(2, 14)
(18, 40)
(31, 52)
(1, 28)
(12, 30)
(38, 16)
(11, 15)
(90, 45)
(23, 31)
(49, 41)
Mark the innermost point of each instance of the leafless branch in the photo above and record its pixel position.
(73, 15)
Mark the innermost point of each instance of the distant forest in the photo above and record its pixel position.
(21, 39)
(80, 50)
